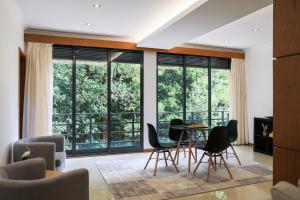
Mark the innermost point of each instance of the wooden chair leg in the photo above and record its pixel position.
(193, 156)
(225, 164)
(215, 162)
(208, 170)
(235, 155)
(165, 159)
(157, 156)
(199, 163)
(149, 159)
(173, 162)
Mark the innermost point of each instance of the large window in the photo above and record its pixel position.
(192, 88)
(97, 101)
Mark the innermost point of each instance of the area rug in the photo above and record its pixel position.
(128, 180)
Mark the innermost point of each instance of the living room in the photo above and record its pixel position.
(168, 99)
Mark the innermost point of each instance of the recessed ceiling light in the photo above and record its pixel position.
(226, 40)
(255, 30)
(97, 5)
(89, 24)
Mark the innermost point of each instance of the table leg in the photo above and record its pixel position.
(190, 151)
(178, 147)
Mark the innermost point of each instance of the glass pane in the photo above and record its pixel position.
(219, 96)
(169, 97)
(62, 100)
(197, 95)
(125, 99)
(91, 99)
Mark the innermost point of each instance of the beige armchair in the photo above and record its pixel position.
(26, 180)
(51, 148)
(286, 191)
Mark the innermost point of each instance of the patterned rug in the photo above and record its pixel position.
(128, 180)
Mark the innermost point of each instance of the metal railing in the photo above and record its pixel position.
(92, 129)
(219, 117)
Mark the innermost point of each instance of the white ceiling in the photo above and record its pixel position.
(239, 34)
(132, 19)
(157, 23)
(207, 17)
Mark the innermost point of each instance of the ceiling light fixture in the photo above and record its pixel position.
(226, 40)
(96, 5)
(89, 24)
(255, 30)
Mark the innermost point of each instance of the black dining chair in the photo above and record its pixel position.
(158, 148)
(216, 144)
(232, 137)
(175, 135)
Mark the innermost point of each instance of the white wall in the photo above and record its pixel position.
(11, 37)
(259, 80)
(149, 93)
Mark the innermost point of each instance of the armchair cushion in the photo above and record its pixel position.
(31, 169)
(285, 191)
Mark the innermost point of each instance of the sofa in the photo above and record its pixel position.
(51, 148)
(26, 180)
(285, 191)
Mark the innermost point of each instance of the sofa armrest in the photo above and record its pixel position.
(31, 169)
(285, 191)
(59, 141)
(71, 185)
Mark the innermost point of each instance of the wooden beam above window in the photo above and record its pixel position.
(75, 41)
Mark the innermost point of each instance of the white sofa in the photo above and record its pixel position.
(286, 191)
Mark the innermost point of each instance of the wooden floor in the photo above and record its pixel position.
(99, 190)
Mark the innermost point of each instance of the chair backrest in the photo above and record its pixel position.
(152, 136)
(175, 134)
(217, 140)
(232, 130)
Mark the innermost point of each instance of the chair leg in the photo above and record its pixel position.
(196, 153)
(157, 156)
(235, 155)
(165, 159)
(208, 170)
(149, 159)
(173, 162)
(183, 147)
(225, 164)
(215, 162)
(199, 163)
(193, 155)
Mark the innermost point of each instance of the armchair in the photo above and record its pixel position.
(51, 148)
(26, 180)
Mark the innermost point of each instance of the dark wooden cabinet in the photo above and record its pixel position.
(286, 165)
(263, 135)
(286, 90)
(287, 102)
(286, 27)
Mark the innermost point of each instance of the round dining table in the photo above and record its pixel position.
(190, 129)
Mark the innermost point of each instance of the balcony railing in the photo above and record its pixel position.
(92, 128)
(219, 117)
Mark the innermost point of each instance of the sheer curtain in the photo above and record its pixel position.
(37, 117)
(238, 100)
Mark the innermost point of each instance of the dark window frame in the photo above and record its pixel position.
(211, 64)
(108, 149)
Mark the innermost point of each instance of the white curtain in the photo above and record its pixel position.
(37, 117)
(238, 100)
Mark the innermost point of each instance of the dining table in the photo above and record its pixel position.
(190, 129)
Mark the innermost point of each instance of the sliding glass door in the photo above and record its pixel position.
(97, 99)
(192, 88)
